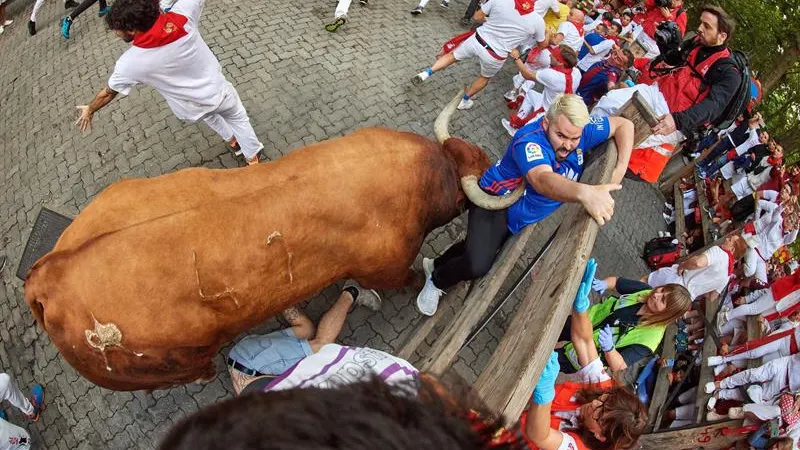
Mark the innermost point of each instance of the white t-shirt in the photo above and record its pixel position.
(335, 365)
(184, 72)
(713, 277)
(572, 37)
(542, 6)
(555, 83)
(594, 372)
(505, 28)
(601, 50)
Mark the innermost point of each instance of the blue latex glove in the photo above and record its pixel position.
(545, 389)
(606, 339)
(581, 303)
(599, 286)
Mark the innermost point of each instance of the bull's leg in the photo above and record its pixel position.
(208, 375)
(389, 278)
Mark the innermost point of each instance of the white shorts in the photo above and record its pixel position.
(471, 48)
(741, 188)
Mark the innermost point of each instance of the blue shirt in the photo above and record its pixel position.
(530, 148)
(594, 83)
(593, 39)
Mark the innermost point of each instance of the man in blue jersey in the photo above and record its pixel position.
(604, 75)
(547, 155)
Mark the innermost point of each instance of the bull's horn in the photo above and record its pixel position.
(442, 124)
(480, 198)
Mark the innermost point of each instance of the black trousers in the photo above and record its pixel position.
(742, 209)
(85, 4)
(473, 257)
(473, 6)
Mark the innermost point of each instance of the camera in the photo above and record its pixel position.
(670, 44)
(664, 3)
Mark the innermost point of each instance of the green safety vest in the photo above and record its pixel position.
(650, 335)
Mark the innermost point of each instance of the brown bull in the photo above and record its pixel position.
(155, 275)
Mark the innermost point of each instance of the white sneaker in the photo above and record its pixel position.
(713, 416)
(427, 267)
(737, 412)
(715, 360)
(719, 369)
(722, 317)
(710, 387)
(755, 392)
(510, 95)
(465, 104)
(712, 402)
(428, 298)
(2, 29)
(509, 129)
(420, 77)
(7, 23)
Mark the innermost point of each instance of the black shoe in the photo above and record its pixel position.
(364, 2)
(69, 4)
(31, 27)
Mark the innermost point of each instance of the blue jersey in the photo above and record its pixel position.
(593, 39)
(594, 83)
(528, 149)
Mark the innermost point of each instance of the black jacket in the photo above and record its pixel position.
(723, 77)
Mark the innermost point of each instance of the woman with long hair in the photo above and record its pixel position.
(628, 327)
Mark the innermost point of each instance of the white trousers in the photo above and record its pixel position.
(772, 377)
(36, 7)
(615, 99)
(13, 437)
(11, 393)
(230, 119)
(780, 347)
(757, 303)
(341, 8)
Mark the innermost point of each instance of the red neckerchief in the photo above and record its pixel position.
(555, 53)
(524, 6)
(730, 261)
(169, 27)
(578, 26)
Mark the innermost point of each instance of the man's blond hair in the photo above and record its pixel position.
(572, 107)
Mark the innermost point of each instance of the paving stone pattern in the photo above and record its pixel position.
(300, 85)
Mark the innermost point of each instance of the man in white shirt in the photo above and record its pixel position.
(168, 54)
(571, 31)
(706, 273)
(590, 54)
(508, 24)
(561, 77)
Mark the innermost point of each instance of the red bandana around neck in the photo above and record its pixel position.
(731, 261)
(578, 26)
(524, 6)
(169, 27)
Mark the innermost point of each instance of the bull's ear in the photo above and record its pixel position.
(469, 158)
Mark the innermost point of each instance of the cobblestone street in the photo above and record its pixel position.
(300, 84)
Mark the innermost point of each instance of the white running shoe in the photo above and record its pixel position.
(427, 267)
(756, 393)
(465, 104)
(417, 10)
(7, 23)
(712, 402)
(509, 129)
(420, 77)
(719, 369)
(715, 360)
(710, 387)
(713, 416)
(737, 412)
(510, 95)
(428, 298)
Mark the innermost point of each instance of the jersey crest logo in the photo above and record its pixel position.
(579, 153)
(533, 152)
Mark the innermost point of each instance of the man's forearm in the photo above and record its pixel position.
(102, 98)
(623, 137)
(557, 187)
(524, 70)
